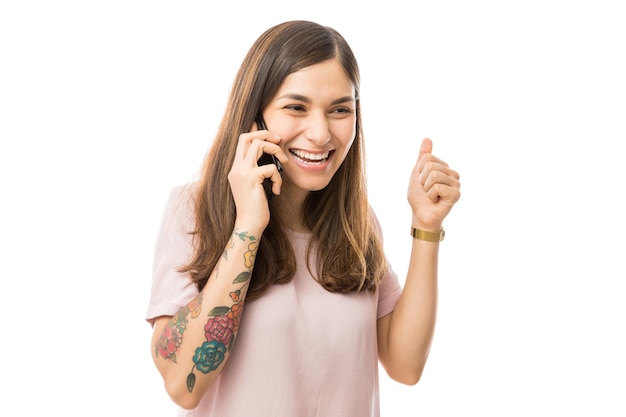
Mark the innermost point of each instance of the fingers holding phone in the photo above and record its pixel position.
(257, 160)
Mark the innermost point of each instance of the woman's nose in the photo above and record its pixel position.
(317, 130)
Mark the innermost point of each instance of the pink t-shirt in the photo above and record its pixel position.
(301, 351)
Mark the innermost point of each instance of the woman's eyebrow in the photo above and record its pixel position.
(305, 99)
(345, 99)
(298, 97)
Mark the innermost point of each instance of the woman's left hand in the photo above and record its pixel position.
(434, 188)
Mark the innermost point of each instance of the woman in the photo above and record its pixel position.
(322, 306)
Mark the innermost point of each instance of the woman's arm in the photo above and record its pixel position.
(191, 348)
(405, 335)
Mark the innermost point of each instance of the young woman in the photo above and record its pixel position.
(281, 303)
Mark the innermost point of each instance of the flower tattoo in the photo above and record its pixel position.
(220, 328)
(209, 356)
(171, 337)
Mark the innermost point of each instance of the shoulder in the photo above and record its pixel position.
(178, 214)
(183, 192)
(182, 196)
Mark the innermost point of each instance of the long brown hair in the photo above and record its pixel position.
(349, 253)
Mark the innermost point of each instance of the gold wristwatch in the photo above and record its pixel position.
(428, 236)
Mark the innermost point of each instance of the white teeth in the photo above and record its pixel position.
(308, 156)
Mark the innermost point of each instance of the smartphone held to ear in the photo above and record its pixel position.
(267, 159)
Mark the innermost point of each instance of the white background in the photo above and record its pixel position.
(104, 106)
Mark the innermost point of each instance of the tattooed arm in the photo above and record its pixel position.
(191, 348)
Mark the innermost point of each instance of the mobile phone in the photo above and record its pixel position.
(266, 159)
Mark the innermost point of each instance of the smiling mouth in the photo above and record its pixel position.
(310, 158)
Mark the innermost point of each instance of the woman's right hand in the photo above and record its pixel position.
(246, 176)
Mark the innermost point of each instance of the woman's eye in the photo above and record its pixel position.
(296, 107)
(342, 110)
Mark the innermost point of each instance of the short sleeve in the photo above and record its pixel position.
(171, 289)
(389, 288)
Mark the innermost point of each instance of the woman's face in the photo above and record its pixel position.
(314, 112)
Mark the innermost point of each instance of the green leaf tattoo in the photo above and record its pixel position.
(242, 277)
